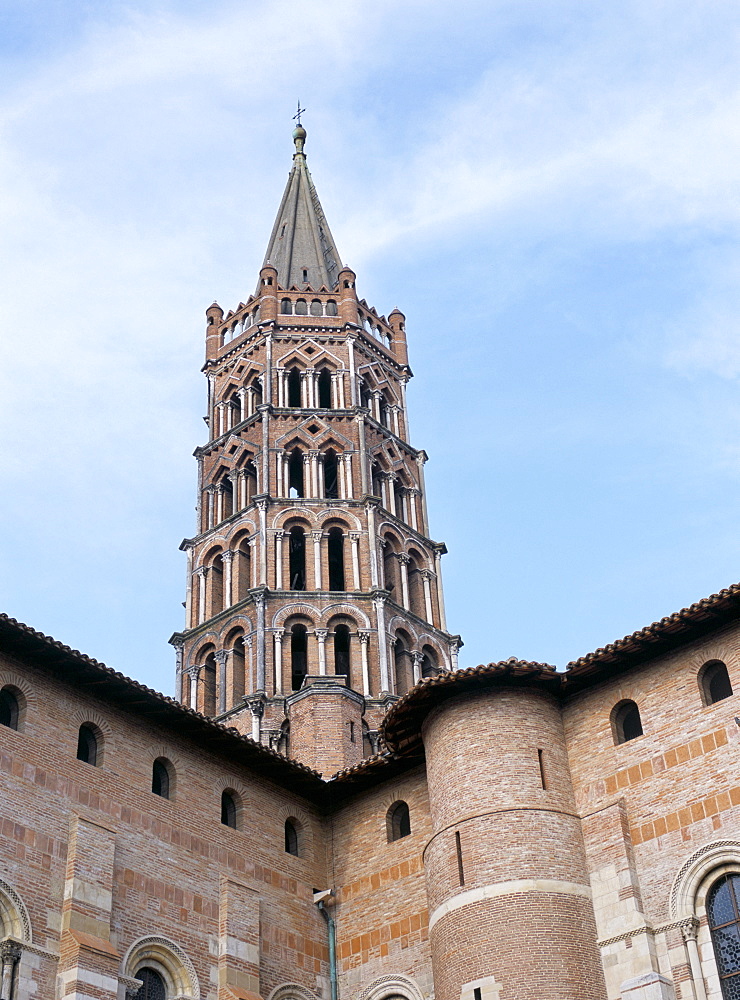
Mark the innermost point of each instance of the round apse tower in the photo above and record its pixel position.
(510, 913)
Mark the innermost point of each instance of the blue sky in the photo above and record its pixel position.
(548, 190)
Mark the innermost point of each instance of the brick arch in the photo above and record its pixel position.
(203, 647)
(167, 958)
(204, 640)
(208, 556)
(404, 539)
(292, 991)
(299, 512)
(282, 614)
(356, 614)
(244, 531)
(83, 715)
(392, 985)
(341, 519)
(14, 918)
(396, 623)
(715, 858)
(9, 677)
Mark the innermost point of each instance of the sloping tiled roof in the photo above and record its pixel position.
(681, 627)
(401, 728)
(72, 666)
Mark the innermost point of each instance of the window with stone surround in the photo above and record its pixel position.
(723, 914)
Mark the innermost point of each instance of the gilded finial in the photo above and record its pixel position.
(299, 133)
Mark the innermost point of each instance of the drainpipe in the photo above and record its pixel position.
(320, 899)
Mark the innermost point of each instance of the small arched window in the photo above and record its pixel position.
(152, 985)
(9, 708)
(398, 821)
(88, 745)
(291, 837)
(228, 809)
(336, 559)
(341, 652)
(331, 308)
(626, 722)
(723, 914)
(331, 475)
(297, 558)
(714, 682)
(286, 307)
(298, 660)
(295, 474)
(209, 685)
(301, 307)
(316, 308)
(161, 778)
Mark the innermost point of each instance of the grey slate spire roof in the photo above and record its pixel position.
(301, 246)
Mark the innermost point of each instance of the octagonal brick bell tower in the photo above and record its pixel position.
(314, 592)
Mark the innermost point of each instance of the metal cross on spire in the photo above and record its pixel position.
(297, 116)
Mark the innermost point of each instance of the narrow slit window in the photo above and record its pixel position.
(458, 851)
(541, 762)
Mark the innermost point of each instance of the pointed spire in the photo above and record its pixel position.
(301, 246)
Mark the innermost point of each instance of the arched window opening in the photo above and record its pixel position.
(714, 682)
(228, 809)
(723, 915)
(390, 569)
(429, 667)
(227, 490)
(209, 685)
(297, 558)
(298, 659)
(398, 821)
(295, 474)
(152, 985)
(341, 652)
(216, 582)
(9, 708)
(294, 387)
(626, 722)
(331, 483)
(301, 307)
(416, 589)
(316, 308)
(256, 385)
(286, 307)
(325, 389)
(404, 664)
(87, 745)
(376, 475)
(365, 399)
(336, 559)
(238, 686)
(161, 778)
(243, 569)
(331, 308)
(291, 838)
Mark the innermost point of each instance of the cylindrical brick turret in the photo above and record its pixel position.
(347, 295)
(268, 294)
(215, 315)
(509, 897)
(397, 323)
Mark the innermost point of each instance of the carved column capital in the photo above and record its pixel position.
(227, 556)
(317, 535)
(404, 559)
(201, 571)
(427, 574)
(256, 706)
(321, 634)
(221, 656)
(689, 928)
(355, 535)
(364, 636)
(280, 533)
(10, 952)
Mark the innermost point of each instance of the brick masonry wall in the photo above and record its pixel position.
(518, 917)
(381, 906)
(651, 803)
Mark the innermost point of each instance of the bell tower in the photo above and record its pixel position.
(314, 591)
